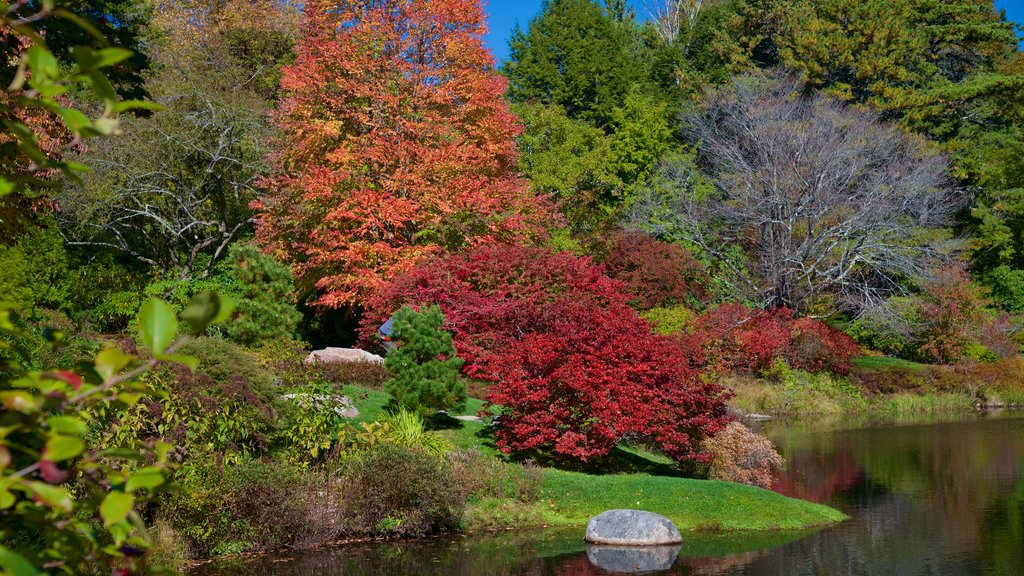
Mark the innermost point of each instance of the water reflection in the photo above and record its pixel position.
(943, 498)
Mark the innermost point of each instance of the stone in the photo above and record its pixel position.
(632, 559)
(632, 528)
(339, 355)
(340, 405)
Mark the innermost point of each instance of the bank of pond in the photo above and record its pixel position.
(942, 496)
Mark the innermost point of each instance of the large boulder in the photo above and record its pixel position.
(632, 528)
(338, 355)
(632, 559)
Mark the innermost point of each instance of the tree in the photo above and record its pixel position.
(655, 273)
(424, 369)
(573, 367)
(264, 293)
(800, 198)
(576, 55)
(177, 207)
(399, 144)
(570, 161)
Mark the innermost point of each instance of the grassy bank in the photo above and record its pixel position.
(629, 478)
(882, 388)
(691, 504)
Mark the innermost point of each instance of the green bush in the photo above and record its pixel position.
(424, 369)
(980, 352)
(260, 286)
(226, 409)
(35, 270)
(397, 491)
(670, 320)
(265, 310)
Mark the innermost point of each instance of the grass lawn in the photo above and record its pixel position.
(883, 362)
(691, 504)
(634, 478)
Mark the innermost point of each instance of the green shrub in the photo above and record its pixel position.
(424, 369)
(398, 491)
(261, 287)
(670, 320)
(250, 506)
(35, 270)
(980, 352)
(264, 288)
(226, 409)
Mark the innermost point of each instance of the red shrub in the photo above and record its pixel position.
(734, 337)
(592, 376)
(655, 273)
(815, 347)
(490, 295)
(574, 368)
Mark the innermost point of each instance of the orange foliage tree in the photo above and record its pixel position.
(396, 144)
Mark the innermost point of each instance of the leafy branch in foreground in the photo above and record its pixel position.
(65, 507)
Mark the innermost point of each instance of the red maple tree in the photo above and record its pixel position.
(396, 144)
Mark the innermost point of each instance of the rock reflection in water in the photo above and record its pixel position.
(632, 559)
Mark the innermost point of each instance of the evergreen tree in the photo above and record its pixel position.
(265, 307)
(576, 55)
(424, 369)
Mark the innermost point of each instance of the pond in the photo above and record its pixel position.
(940, 498)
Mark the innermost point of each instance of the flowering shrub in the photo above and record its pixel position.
(733, 337)
(574, 368)
(655, 273)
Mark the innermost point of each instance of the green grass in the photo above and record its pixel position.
(691, 504)
(630, 477)
(883, 362)
(371, 402)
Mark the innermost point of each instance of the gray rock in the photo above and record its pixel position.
(632, 559)
(632, 528)
(338, 355)
(340, 405)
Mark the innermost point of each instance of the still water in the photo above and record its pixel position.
(926, 499)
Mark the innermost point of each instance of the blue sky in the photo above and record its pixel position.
(504, 14)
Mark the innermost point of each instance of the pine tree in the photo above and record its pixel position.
(424, 368)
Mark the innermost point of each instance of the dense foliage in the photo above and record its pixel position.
(424, 368)
(361, 192)
(575, 370)
(734, 337)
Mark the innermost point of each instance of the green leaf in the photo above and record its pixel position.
(205, 309)
(6, 187)
(191, 361)
(126, 105)
(53, 496)
(110, 361)
(60, 448)
(157, 325)
(116, 507)
(6, 498)
(111, 56)
(15, 564)
(42, 63)
(67, 425)
(148, 478)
